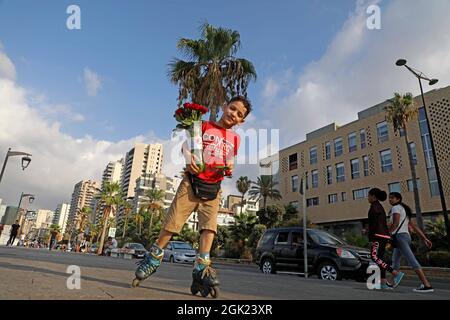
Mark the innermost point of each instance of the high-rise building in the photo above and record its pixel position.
(155, 181)
(341, 163)
(141, 160)
(61, 216)
(2, 209)
(43, 218)
(111, 174)
(82, 196)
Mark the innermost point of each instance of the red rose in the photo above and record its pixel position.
(179, 111)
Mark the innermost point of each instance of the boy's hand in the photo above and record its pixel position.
(192, 167)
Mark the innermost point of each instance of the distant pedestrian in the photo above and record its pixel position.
(54, 234)
(401, 220)
(79, 240)
(379, 236)
(13, 234)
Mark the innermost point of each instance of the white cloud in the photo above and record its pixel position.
(92, 82)
(7, 68)
(59, 160)
(358, 68)
(64, 110)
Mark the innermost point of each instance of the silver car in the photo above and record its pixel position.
(179, 251)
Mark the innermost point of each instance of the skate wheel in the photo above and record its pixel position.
(194, 289)
(135, 283)
(204, 292)
(214, 292)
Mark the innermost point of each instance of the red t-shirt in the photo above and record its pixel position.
(220, 145)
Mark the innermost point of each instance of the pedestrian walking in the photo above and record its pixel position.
(400, 223)
(379, 236)
(13, 234)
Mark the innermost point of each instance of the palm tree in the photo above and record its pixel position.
(264, 188)
(111, 198)
(152, 203)
(139, 218)
(127, 207)
(94, 231)
(243, 185)
(401, 110)
(213, 74)
(83, 217)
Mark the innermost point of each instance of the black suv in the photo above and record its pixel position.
(328, 255)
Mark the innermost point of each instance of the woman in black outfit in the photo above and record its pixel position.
(379, 237)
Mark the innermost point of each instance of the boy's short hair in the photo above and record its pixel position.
(245, 101)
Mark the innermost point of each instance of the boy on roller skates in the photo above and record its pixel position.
(200, 191)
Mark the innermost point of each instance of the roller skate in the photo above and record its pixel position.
(148, 265)
(205, 281)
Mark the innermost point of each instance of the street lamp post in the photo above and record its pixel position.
(25, 160)
(31, 199)
(421, 76)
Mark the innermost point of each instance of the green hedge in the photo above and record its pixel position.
(439, 259)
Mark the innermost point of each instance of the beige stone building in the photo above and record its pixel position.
(141, 160)
(82, 196)
(341, 164)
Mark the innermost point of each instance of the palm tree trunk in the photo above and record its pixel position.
(125, 226)
(212, 114)
(242, 202)
(265, 203)
(151, 222)
(414, 183)
(102, 239)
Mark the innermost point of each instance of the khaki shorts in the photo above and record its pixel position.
(184, 203)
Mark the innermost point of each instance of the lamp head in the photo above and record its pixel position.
(25, 162)
(433, 81)
(400, 62)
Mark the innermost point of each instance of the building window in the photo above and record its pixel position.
(293, 162)
(344, 196)
(382, 131)
(329, 175)
(332, 198)
(328, 150)
(428, 152)
(394, 187)
(340, 172)
(315, 178)
(401, 131)
(338, 147)
(355, 168)
(366, 166)
(386, 160)
(294, 183)
(412, 148)
(352, 142)
(410, 184)
(313, 155)
(362, 136)
(360, 193)
(312, 202)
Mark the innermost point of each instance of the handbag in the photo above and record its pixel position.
(202, 189)
(393, 241)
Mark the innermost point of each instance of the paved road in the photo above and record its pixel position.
(40, 274)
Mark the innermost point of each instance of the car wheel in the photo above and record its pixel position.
(268, 266)
(171, 259)
(328, 271)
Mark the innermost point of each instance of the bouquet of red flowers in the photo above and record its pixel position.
(189, 117)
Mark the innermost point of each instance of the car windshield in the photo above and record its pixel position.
(322, 237)
(184, 246)
(136, 246)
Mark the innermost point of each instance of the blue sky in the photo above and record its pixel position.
(129, 43)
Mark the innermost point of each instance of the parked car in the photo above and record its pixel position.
(328, 255)
(137, 250)
(178, 251)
